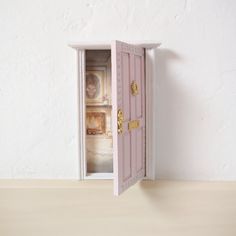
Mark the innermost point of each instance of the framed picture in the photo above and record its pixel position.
(96, 85)
(98, 122)
(95, 123)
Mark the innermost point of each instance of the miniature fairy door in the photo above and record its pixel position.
(128, 111)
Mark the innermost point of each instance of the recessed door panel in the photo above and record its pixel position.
(124, 89)
(138, 79)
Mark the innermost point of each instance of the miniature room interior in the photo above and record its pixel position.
(98, 111)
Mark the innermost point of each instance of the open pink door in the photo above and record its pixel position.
(128, 100)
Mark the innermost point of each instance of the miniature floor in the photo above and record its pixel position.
(69, 208)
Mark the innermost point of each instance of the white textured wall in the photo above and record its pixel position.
(195, 104)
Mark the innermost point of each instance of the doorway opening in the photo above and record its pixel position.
(98, 105)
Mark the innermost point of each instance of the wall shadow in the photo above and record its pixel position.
(168, 120)
(166, 92)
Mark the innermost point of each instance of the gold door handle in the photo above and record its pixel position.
(120, 119)
(134, 88)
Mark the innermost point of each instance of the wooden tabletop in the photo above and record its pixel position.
(160, 208)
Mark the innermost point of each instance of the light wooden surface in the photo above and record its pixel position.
(160, 208)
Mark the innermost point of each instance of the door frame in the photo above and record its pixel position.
(150, 75)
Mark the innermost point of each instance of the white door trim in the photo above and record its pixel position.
(150, 139)
(81, 113)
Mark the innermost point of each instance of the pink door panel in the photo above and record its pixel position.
(128, 146)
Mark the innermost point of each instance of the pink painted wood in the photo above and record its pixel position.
(129, 146)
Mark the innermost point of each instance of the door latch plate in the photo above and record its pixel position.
(133, 124)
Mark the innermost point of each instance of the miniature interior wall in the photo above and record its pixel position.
(194, 105)
(98, 111)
